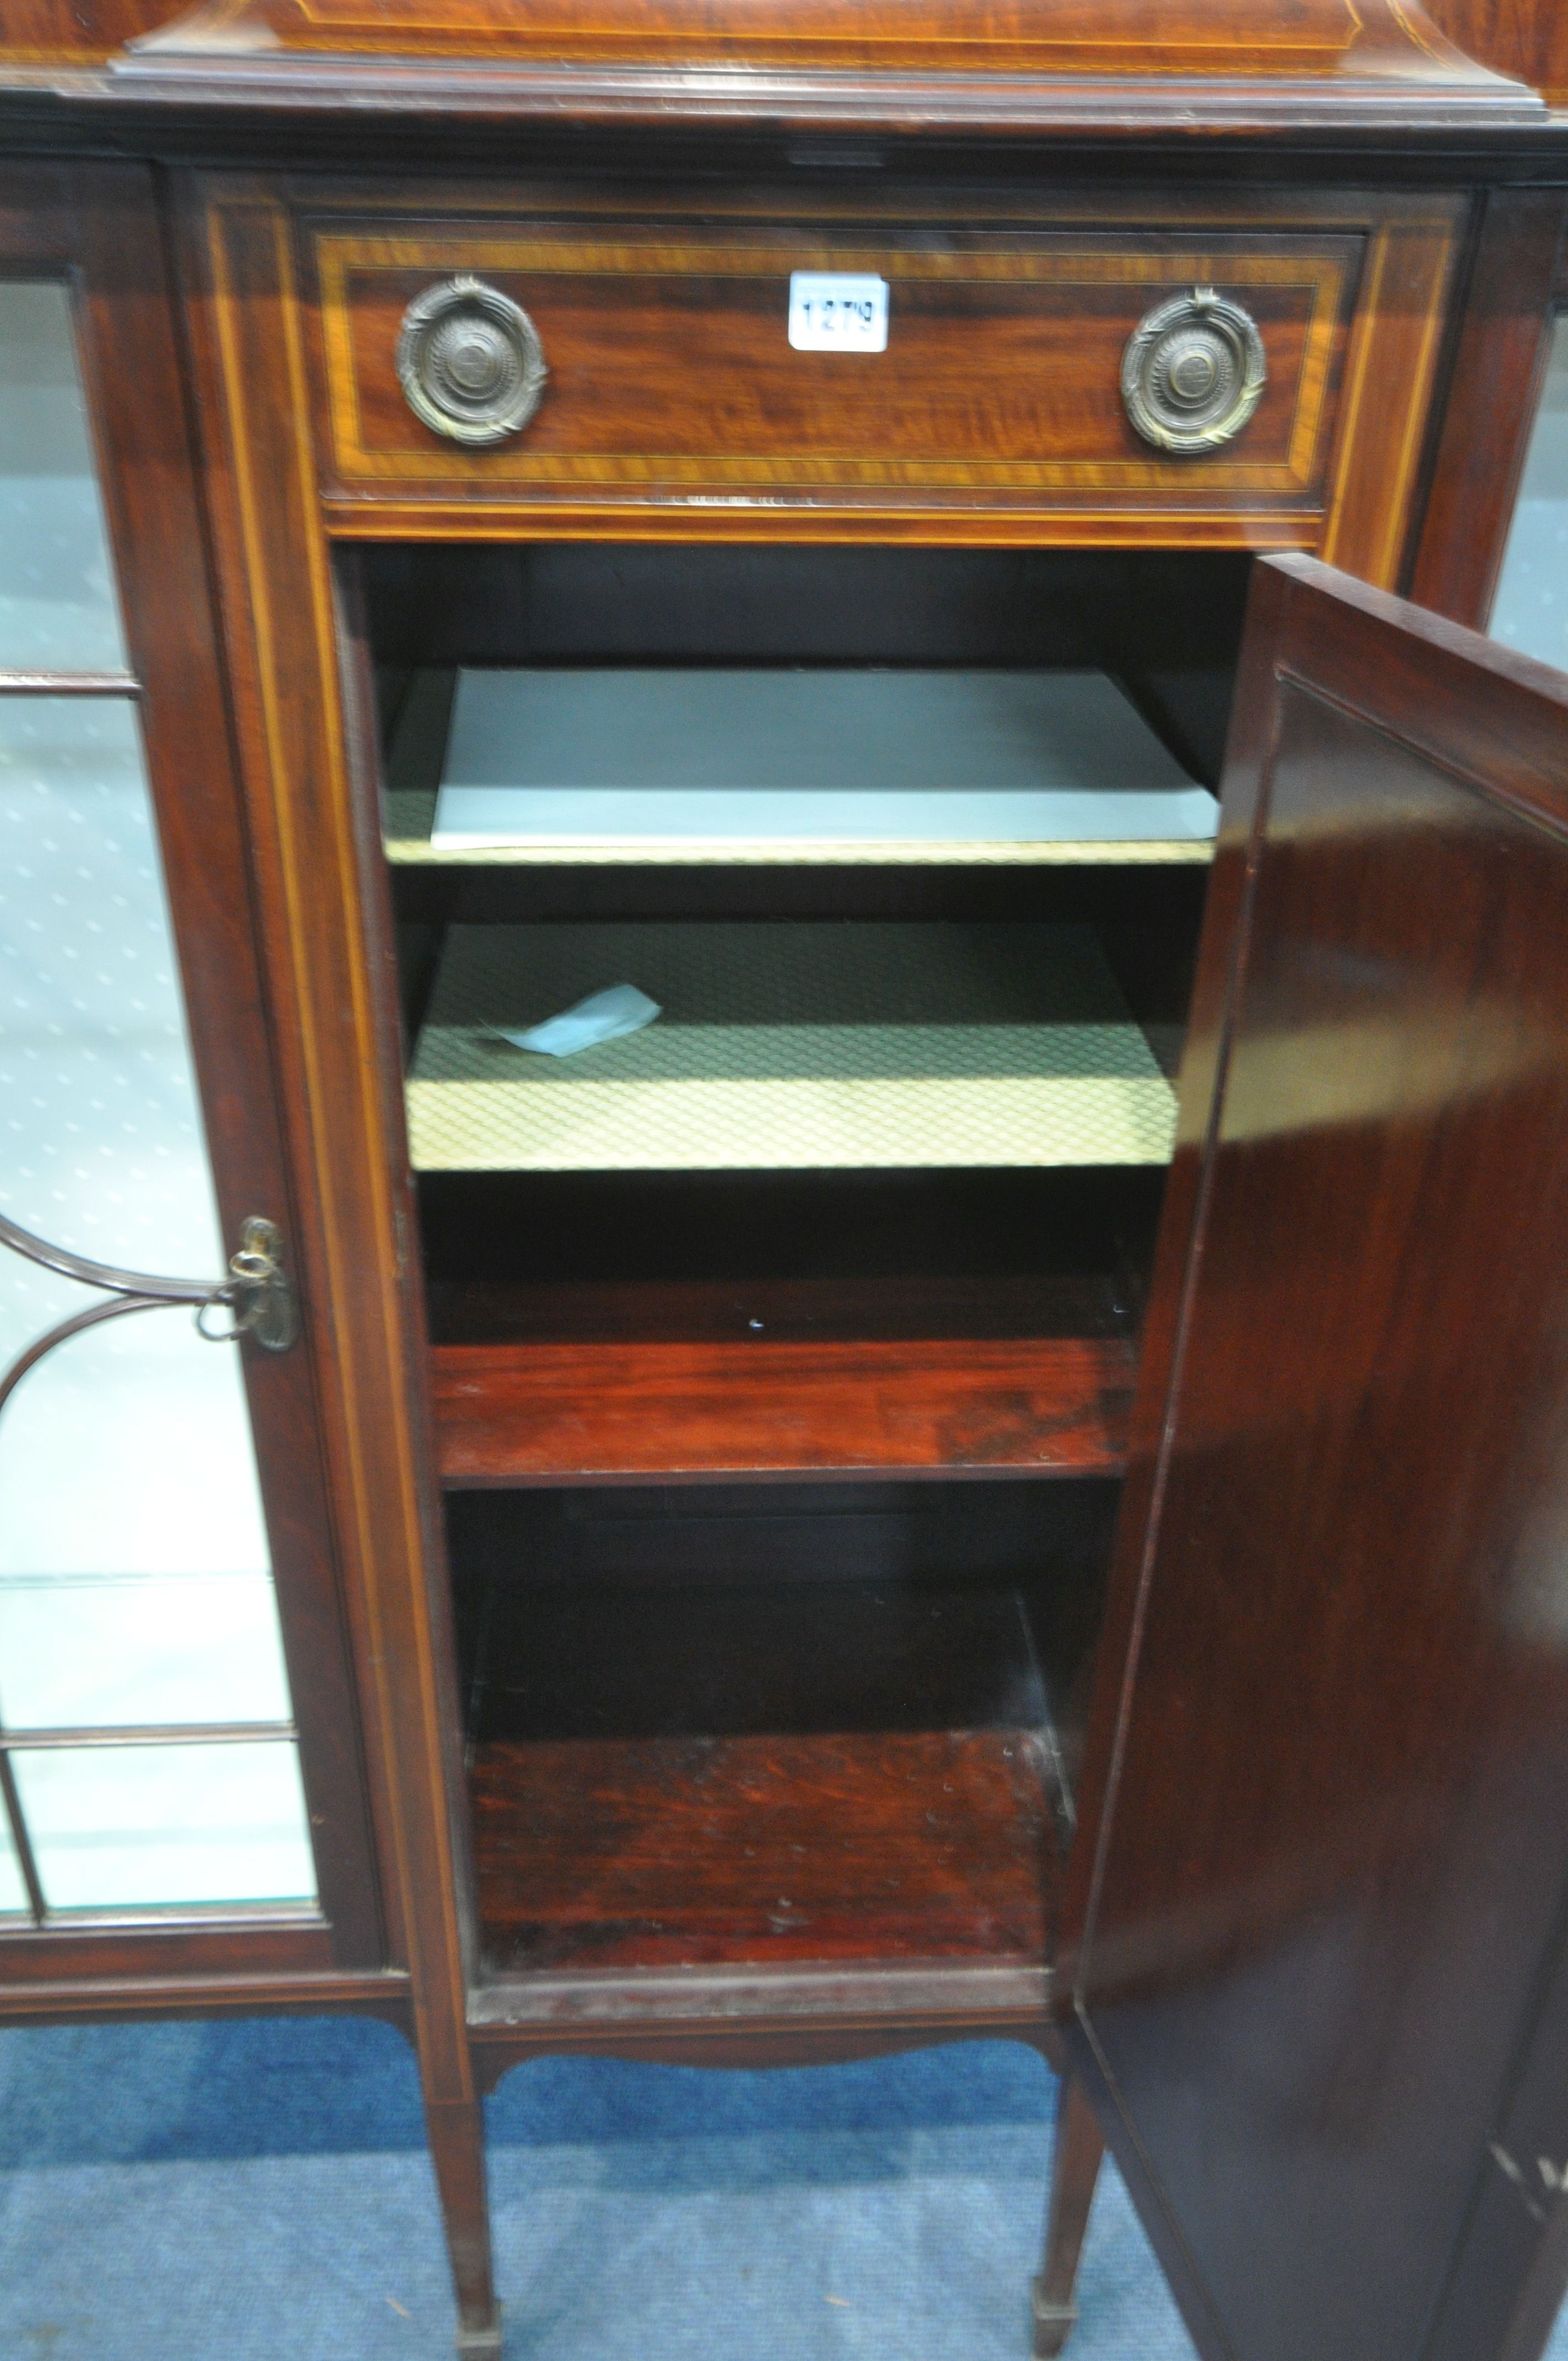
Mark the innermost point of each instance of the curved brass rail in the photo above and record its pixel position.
(255, 1289)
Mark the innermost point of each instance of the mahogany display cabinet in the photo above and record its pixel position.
(786, 1083)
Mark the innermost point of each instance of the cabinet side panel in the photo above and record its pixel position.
(281, 632)
(1498, 371)
(1391, 377)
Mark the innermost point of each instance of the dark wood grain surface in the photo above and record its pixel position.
(670, 363)
(75, 32)
(1076, 2154)
(1341, 1849)
(875, 1846)
(1327, 1800)
(828, 1341)
(1314, 39)
(1500, 371)
(709, 1753)
(994, 416)
(1526, 39)
(301, 736)
(531, 1413)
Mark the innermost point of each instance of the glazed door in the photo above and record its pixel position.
(1322, 1872)
(176, 1775)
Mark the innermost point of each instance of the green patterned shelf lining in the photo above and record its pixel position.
(410, 811)
(789, 1046)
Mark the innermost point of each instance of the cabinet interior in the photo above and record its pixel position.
(782, 1350)
(731, 1725)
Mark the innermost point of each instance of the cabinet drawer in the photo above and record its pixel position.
(671, 376)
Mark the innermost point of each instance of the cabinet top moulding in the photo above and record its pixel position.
(1108, 71)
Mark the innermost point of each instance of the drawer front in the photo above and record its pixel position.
(671, 376)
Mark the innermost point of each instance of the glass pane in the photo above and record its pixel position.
(13, 1893)
(94, 1649)
(129, 1450)
(114, 1828)
(57, 608)
(1531, 608)
(134, 1577)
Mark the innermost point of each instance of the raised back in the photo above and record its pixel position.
(1305, 40)
(46, 33)
(1524, 38)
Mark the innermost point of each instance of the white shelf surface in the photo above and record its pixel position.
(798, 765)
(788, 1045)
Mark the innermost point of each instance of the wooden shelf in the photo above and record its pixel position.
(719, 1755)
(561, 1413)
(677, 1851)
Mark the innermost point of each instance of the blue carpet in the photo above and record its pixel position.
(259, 2191)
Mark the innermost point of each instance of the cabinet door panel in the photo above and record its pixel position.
(136, 1582)
(1327, 1794)
(161, 1497)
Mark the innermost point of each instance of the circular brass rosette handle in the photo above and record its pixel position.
(470, 362)
(1193, 372)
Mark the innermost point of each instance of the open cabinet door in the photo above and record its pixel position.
(1323, 1860)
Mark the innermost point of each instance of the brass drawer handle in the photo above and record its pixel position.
(470, 362)
(1193, 372)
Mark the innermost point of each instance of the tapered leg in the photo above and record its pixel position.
(457, 2129)
(1075, 2170)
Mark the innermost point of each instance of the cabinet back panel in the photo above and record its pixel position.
(607, 602)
